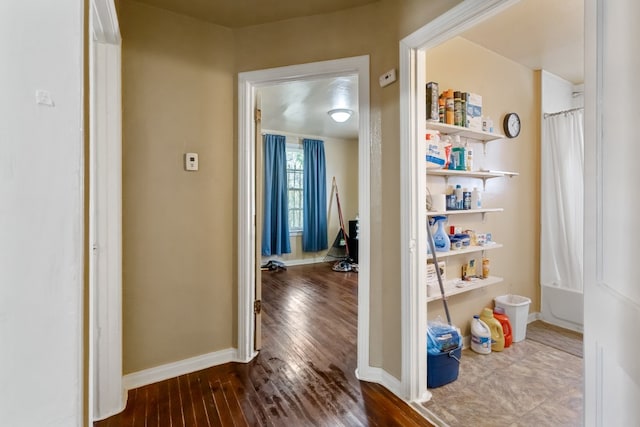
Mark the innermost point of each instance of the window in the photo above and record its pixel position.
(295, 180)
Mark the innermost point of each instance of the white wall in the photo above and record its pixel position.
(41, 213)
(557, 93)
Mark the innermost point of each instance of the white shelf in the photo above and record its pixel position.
(471, 174)
(463, 132)
(451, 289)
(464, 211)
(462, 251)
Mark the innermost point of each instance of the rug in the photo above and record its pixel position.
(556, 337)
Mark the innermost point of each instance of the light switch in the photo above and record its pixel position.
(191, 161)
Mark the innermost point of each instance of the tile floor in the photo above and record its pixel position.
(528, 384)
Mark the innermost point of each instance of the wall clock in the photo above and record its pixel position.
(511, 125)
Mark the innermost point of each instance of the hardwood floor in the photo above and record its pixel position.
(303, 376)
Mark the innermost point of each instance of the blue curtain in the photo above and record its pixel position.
(275, 228)
(314, 235)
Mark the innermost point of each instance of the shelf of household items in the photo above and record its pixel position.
(480, 174)
(467, 250)
(463, 132)
(458, 286)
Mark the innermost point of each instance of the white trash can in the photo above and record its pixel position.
(516, 307)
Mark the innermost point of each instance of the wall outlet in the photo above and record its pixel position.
(191, 161)
(387, 78)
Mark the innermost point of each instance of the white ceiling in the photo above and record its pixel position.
(302, 107)
(540, 34)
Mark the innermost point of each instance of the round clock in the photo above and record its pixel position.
(511, 125)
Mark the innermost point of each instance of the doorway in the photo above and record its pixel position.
(413, 71)
(249, 84)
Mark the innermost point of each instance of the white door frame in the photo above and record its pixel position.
(413, 182)
(247, 84)
(107, 395)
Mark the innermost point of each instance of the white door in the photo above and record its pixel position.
(612, 229)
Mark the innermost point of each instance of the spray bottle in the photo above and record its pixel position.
(440, 237)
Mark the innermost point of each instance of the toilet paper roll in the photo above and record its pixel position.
(438, 203)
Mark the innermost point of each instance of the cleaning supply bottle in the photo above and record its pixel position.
(440, 238)
(499, 314)
(476, 199)
(459, 197)
(480, 336)
(458, 154)
(497, 334)
(469, 159)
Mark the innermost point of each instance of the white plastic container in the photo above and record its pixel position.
(476, 198)
(516, 307)
(480, 336)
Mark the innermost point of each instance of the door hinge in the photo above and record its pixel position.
(257, 115)
(257, 307)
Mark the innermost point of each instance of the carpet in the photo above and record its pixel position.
(556, 337)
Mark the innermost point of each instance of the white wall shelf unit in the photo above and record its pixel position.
(482, 211)
(457, 286)
(467, 250)
(462, 132)
(483, 175)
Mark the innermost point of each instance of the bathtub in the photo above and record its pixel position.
(562, 307)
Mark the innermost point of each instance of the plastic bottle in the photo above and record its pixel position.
(440, 238)
(480, 336)
(466, 199)
(441, 108)
(485, 268)
(497, 334)
(459, 197)
(469, 159)
(499, 314)
(458, 154)
(476, 199)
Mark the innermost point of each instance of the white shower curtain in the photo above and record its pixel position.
(562, 200)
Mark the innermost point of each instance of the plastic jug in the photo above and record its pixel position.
(480, 336)
(499, 314)
(497, 334)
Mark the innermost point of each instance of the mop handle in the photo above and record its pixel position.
(432, 246)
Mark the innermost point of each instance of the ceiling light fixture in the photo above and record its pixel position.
(340, 114)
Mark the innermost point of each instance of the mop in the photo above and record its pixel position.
(345, 264)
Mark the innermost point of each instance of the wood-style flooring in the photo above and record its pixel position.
(303, 376)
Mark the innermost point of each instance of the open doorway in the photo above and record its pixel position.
(249, 85)
(414, 70)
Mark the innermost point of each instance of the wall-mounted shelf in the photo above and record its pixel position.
(465, 211)
(467, 250)
(463, 132)
(451, 288)
(483, 175)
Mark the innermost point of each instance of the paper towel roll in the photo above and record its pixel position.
(438, 203)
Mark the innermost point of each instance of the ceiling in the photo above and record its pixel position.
(242, 13)
(302, 107)
(540, 34)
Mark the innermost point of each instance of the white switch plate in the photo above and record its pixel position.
(191, 161)
(387, 78)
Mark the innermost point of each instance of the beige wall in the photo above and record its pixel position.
(179, 237)
(505, 87)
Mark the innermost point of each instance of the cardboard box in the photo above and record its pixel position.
(433, 287)
(474, 111)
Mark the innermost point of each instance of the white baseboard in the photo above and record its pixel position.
(382, 377)
(182, 367)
